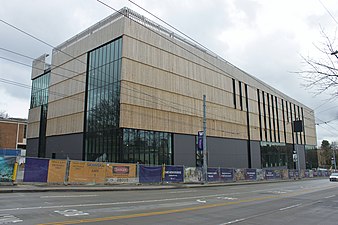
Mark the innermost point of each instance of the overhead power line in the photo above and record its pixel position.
(327, 10)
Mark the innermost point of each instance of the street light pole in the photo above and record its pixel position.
(205, 155)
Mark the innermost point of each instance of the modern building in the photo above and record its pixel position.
(129, 90)
(13, 133)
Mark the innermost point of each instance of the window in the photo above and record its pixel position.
(39, 94)
(234, 92)
(259, 114)
(102, 135)
(240, 95)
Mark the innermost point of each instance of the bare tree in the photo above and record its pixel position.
(322, 73)
(3, 114)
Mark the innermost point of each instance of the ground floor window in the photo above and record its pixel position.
(147, 147)
(276, 155)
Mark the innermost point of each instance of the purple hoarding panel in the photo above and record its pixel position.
(213, 175)
(150, 174)
(250, 174)
(173, 174)
(226, 174)
(36, 170)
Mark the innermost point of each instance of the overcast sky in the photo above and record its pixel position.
(265, 38)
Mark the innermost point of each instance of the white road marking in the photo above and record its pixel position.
(331, 196)
(7, 218)
(201, 201)
(232, 222)
(227, 198)
(72, 212)
(67, 196)
(278, 192)
(112, 203)
(290, 207)
(178, 192)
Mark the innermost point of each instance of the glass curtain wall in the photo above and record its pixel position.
(147, 147)
(39, 98)
(39, 94)
(276, 155)
(104, 140)
(102, 136)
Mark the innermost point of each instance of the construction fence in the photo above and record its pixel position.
(20, 169)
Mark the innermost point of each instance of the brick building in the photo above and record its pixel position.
(13, 133)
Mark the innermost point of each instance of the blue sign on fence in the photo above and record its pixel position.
(291, 174)
(213, 175)
(174, 174)
(226, 174)
(250, 174)
(150, 174)
(36, 170)
(269, 174)
(10, 152)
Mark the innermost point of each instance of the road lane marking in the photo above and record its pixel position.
(179, 192)
(129, 216)
(232, 222)
(227, 198)
(7, 218)
(67, 196)
(72, 212)
(112, 203)
(201, 201)
(149, 201)
(290, 207)
(331, 196)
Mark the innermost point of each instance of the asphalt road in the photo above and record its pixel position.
(301, 202)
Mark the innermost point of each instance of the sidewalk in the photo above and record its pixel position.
(8, 188)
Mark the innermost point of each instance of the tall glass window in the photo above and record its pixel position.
(39, 98)
(147, 147)
(39, 94)
(103, 136)
(104, 139)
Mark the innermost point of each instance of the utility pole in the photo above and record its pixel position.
(205, 155)
(334, 147)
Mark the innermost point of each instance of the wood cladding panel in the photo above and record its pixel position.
(34, 114)
(66, 106)
(65, 125)
(33, 129)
